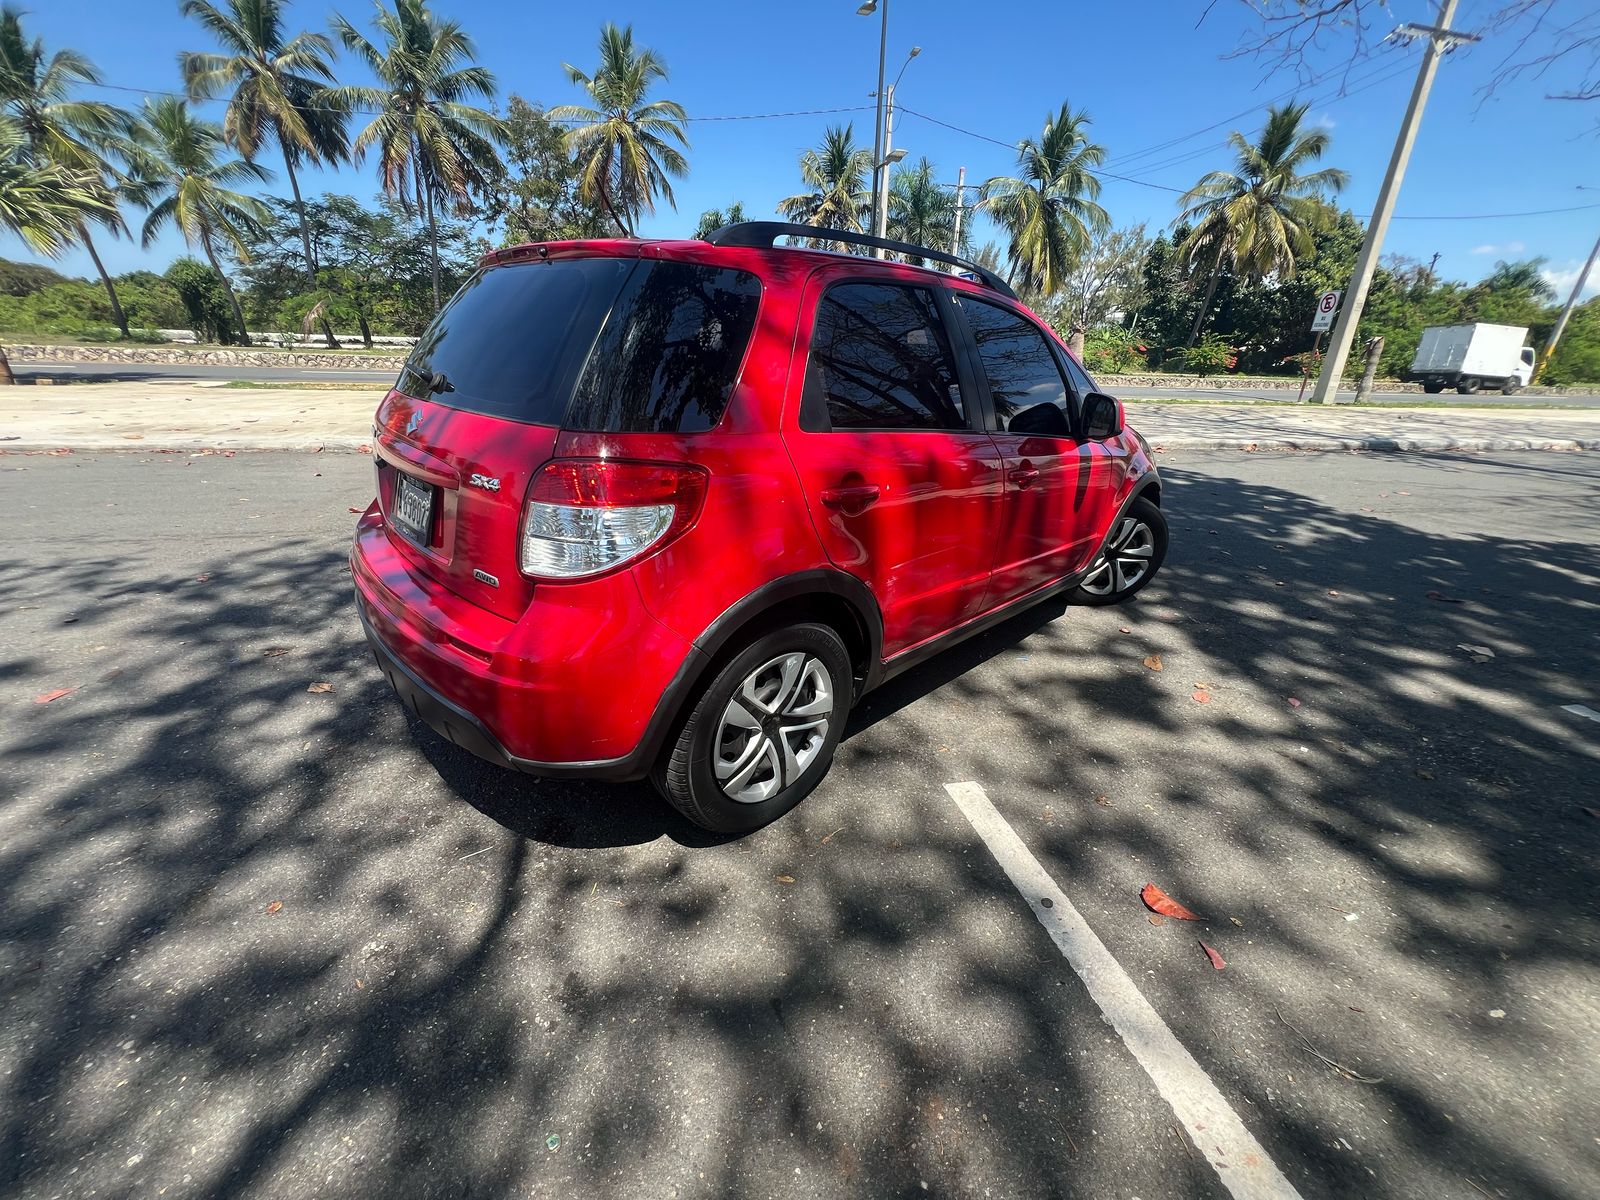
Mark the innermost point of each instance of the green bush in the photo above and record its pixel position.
(205, 302)
(1211, 353)
(1113, 351)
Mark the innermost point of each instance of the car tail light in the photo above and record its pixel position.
(585, 516)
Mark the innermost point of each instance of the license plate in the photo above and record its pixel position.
(413, 508)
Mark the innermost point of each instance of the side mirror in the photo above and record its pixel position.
(1042, 420)
(1102, 416)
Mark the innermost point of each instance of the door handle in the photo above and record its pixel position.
(1024, 475)
(851, 500)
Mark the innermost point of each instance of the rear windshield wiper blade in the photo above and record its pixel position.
(440, 382)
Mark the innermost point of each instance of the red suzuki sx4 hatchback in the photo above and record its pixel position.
(670, 508)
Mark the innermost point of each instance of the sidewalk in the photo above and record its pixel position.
(181, 416)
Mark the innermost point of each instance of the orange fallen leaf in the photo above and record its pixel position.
(363, 449)
(1293, 703)
(274, 907)
(359, 984)
(1153, 662)
(785, 878)
(358, 510)
(55, 695)
(1216, 959)
(1202, 697)
(1157, 920)
(320, 689)
(1103, 801)
(202, 578)
(1124, 629)
(1158, 901)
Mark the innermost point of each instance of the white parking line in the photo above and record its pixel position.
(1582, 710)
(1239, 1160)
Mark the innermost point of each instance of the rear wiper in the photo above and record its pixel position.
(440, 382)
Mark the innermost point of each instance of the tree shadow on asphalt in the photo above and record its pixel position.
(468, 962)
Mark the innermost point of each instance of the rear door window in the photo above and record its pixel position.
(669, 356)
(880, 359)
(513, 339)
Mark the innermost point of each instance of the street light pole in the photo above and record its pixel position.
(880, 215)
(867, 8)
(961, 192)
(1440, 38)
(1566, 312)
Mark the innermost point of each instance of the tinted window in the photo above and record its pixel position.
(881, 359)
(514, 338)
(667, 359)
(1081, 383)
(1017, 361)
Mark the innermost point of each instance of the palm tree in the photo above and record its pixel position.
(279, 91)
(714, 219)
(44, 203)
(836, 175)
(1050, 209)
(183, 178)
(430, 143)
(78, 135)
(920, 211)
(1260, 217)
(624, 145)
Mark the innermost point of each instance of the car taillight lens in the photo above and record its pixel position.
(585, 516)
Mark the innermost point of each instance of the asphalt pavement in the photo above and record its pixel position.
(115, 372)
(263, 941)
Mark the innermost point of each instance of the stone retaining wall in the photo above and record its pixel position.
(332, 360)
(230, 356)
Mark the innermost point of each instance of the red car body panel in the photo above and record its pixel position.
(924, 533)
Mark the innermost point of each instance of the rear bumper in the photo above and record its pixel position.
(455, 724)
(585, 684)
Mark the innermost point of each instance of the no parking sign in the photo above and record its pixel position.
(1327, 309)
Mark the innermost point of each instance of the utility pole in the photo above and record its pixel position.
(1440, 39)
(1561, 321)
(961, 195)
(866, 10)
(880, 215)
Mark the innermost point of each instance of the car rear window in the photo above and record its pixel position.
(513, 339)
(668, 357)
(607, 344)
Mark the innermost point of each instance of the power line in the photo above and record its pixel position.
(372, 112)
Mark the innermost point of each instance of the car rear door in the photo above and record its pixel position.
(903, 486)
(1058, 485)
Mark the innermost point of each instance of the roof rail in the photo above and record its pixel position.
(762, 234)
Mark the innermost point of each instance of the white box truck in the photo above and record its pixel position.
(1469, 357)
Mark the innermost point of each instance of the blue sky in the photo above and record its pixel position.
(1146, 75)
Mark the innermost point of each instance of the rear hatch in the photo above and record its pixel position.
(581, 340)
(475, 414)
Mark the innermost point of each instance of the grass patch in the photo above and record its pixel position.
(1260, 402)
(309, 385)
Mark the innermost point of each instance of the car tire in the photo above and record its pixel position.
(1130, 558)
(1432, 386)
(1467, 387)
(763, 733)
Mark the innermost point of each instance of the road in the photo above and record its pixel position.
(111, 372)
(257, 941)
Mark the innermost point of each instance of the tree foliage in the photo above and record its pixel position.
(834, 176)
(627, 145)
(1050, 209)
(539, 194)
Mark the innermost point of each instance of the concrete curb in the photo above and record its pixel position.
(351, 445)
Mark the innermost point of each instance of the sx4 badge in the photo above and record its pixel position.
(487, 482)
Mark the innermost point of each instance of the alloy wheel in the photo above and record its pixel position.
(773, 728)
(1124, 561)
